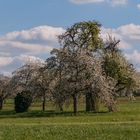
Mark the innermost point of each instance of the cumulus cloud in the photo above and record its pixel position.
(128, 34)
(112, 2)
(131, 31)
(29, 59)
(119, 2)
(9, 64)
(43, 33)
(138, 6)
(36, 40)
(130, 40)
(134, 56)
(86, 1)
(29, 47)
(19, 47)
(4, 54)
(5, 61)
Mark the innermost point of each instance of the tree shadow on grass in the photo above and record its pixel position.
(49, 113)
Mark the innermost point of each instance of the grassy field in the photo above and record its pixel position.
(50, 125)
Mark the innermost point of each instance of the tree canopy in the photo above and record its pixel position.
(84, 66)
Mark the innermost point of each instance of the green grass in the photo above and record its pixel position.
(71, 132)
(54, 125)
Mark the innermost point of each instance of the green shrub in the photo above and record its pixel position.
(23, 101)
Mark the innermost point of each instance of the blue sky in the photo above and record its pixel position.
(28, 28)
(24, 14)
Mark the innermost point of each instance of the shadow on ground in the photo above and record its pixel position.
(49, 113)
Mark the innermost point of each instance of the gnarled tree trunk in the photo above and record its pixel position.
(43, 102)
(89, 102)
(112, 108)
(92, 102)
(1, 103)
(75, 104)
(96, 103)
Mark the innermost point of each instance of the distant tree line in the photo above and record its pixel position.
(84, 66)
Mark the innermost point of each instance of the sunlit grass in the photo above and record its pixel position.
(55, 125)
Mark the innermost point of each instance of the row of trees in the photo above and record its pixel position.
(84, 65)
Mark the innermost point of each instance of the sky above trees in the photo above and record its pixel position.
(29, 28)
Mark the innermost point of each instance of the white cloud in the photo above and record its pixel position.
(128, 34)
(19, 47)
(23, 59)
(134, 56)
(130, 40)
(138, 6)
(43, 33)
(5, 61)
(112, 2)
(31, 48)
(86, 1)
(29, 59)
(5, 54)
(34, 41)
(131, 31)
(119, 2)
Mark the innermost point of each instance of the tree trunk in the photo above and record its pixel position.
(89, 102)
(43, 102)
(1, 103)
(75, 103)
(92, 102)
(112, 108)
(96, 104)
(61, 107)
